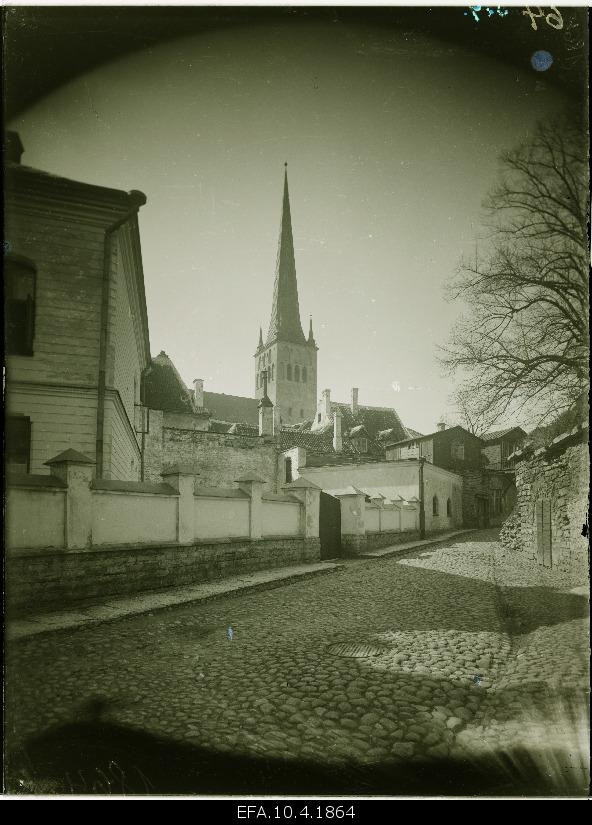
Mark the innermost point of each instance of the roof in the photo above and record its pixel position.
(285, 312)
(498, 434)
(164, 388)
(431, 435)
(232, 408)
(375, 420)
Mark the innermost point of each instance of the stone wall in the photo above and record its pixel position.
(219, 458)
(560, 475)
(39, 581)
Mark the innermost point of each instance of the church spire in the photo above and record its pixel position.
(285, 312)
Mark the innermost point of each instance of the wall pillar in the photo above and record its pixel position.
(353, 522)
(181, 477)
(76, 470)
(310, 496)
(252, 485)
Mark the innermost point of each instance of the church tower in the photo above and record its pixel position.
(289, 358)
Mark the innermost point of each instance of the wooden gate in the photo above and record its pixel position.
(542, 519)
(330, 526)
(482, 511)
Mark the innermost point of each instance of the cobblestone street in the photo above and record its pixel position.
(472, 655)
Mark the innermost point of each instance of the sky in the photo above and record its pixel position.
(391, 142)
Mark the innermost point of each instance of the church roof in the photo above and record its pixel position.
(285, 311)
(234, 408)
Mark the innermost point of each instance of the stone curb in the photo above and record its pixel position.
(136, 605)
(397, 549)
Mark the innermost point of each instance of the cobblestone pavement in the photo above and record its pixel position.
(444, 678)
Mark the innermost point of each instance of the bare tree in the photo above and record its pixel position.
(522, 346)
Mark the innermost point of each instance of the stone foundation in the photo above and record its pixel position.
(376, 540)
(49, 580)
(353, 545)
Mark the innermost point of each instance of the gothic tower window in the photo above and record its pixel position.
(435, 506)
(448, 507)
(304, 374)
(296, 373)
(289, 372)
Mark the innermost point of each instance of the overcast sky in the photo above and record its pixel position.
(392, 143)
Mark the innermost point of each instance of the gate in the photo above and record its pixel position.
(330, 526)
(482, 511)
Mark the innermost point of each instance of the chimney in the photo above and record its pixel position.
(326, 404)
(441, 425)
(198, 393)
(337, 439)
(13, 148)
(354, 401)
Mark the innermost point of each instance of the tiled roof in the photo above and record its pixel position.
(374, 419)
(321, 442)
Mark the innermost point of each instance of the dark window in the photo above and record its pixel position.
(296, 373)
(19, 306)
(289, 372)
(448, 508)
(288, 466)
(435, 506)
(304, 374)
(319, 418)
(18, 443)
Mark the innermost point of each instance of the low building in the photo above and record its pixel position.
(500, 445)
(76, 325)
(452, 448)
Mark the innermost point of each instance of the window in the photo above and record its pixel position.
(448, 508)
(304, 374)
(281, 370)
(19, 306)
(289, 372)
(319, 418)
(296, 373)
(435, 506)
(288, 469)
(18, 443)
(301, 413)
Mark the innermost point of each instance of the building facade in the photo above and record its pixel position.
(76, 323)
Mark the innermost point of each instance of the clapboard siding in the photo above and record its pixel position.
(58, 422)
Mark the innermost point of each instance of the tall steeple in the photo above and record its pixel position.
(285, 312)
(286, 362)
